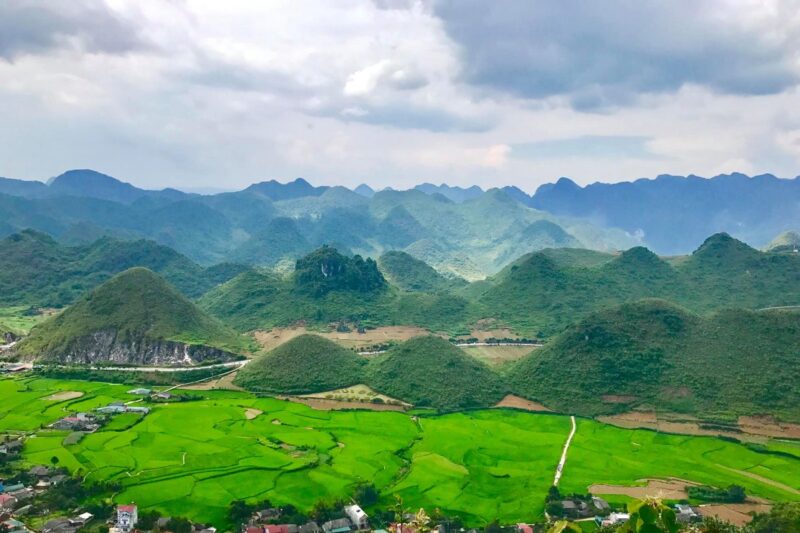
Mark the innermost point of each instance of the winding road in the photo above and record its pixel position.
(563, 460)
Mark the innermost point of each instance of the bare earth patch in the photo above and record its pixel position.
(356, 393)
(735, 513)
(251, 413)
(497, 355)
(223, 383)
(349, 339)
(751, 428)
(669, 489)
(521, 403)
(334, 405)
(276, 422)
(64, 395)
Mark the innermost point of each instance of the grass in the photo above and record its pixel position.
(193, 458)
(18, 319)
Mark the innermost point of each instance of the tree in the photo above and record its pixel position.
(179, 525)
(54, 460)
(238, 512)
(782, 518)
(421, 522)
(650, 516)
(366, 494)
(493, 527)
(736, 494)
(563, 526)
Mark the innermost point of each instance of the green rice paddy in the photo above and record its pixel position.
(193, 458)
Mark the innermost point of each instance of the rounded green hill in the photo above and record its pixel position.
(430, 372)
(305, 364)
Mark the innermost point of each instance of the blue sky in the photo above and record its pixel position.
(204, 93)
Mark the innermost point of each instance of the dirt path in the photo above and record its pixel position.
(762, 479)
(562, 462)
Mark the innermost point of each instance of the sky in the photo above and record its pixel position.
(211, 94)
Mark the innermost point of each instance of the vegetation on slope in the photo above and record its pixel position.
(37, 270)
(654, 354)
(540, 295)
(136, 304)
(305, 364)
(352, 292)
(431, 372)
(788, 241)
(411, 274)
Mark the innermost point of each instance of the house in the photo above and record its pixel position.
(280, 528)
(357, 516)
(111, 409)
(143, 410)
(612, 520)
(25, 493)
(40, 471)
(7, 502)
(686, 513)
(600, 504)
(310, 527)
(57, 479)
(163, 395)
(11, 447)
(59, 525)
(524, 528)
(8, 489)
(267, 514)
(403, 528)
(14, 526)
(340, 525)
(254, 529)
(127, 516)
(81, 519)
(140, 392)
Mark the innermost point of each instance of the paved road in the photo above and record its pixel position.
(563, 460)
(232, 364)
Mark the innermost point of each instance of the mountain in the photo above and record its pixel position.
(276, 191)
(431, 372)
(674, 213)
(788, 241)
(305, 364)
(37, 270)
(280, 238)
(540, 295)
(411, 274)
(326, 270)
(24, 188)
(652, 354)
(365, 190)
(456, 194)
(327, 288)
(134, 318)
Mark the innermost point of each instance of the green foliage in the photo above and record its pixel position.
(654, 353)
(782, 518)
(431, 372)
(326, 270)
(37, 270)
(650, 516)
(541, 294)
(134, 305)
(411, 274)
(706, 493)
(307, 363)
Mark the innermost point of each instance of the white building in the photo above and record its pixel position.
(127, 516)
(357, 516)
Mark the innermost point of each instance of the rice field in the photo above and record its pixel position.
(193, 458)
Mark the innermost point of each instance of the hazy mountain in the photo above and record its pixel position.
(673, 214)
(456, 194)
(286, 191)
(365, 190)
(788, 241)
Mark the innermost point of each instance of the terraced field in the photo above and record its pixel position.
(193, 458)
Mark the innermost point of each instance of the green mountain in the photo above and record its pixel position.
(326, 270)
(305, 364)
(654, 354)
(134, 318)
(542, 293)
(262, 300)
(431, 372)
(411, 274)
(37, 270)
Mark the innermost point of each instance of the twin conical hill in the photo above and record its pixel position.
(134, 318)
(305, 364)
(431, 372)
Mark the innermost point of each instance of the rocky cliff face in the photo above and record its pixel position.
(107, 347)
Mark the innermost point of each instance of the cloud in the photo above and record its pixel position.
(34, 27)
(587, 146)
(600, 54)
(383, 73)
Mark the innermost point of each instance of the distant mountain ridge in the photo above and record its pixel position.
(673, 213)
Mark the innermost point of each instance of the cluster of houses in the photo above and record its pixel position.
(127, 517)
(15, 497)
(154, 395)
(67, 525)
(78, 422)
(354, 519)
(121, 407)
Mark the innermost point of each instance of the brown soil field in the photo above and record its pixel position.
(64, 395)
(668, 489)
(334, 405)
(251, 413)
(751, 428)
(497, 355)
(224, 383)
(735, 513)
(355, 393)
(521, 403)
(352, 339)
